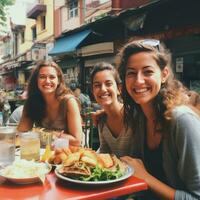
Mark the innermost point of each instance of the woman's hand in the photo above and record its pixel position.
(58, 134)
(161, 189)
(138, 166)
(61, 134)
(96, 115)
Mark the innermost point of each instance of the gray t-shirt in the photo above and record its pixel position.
(120, 146)
(181, 149)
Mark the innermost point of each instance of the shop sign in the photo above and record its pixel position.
(39, 45)
(71, 74)
(38, 54)
(96, 49)
(38, 51)
(11, 65)
(179, 65)
(91, 62)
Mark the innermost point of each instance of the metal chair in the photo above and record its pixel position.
(88, 128)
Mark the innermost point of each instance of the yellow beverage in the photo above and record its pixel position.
(30, 146)
(47, 154)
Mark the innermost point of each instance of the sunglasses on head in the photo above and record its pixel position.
(151, 42)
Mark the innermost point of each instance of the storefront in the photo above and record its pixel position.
(91, 55)
(70, 68)
(64, 53)
(8, 80)
(186, 60)
(89, 65)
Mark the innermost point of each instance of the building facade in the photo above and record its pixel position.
(29, 43)
(79, 33)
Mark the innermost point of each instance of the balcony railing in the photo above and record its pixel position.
(38, 8)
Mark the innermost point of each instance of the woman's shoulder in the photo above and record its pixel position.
(186, 119)
(101, 122)
(69, 98)
(183, 110)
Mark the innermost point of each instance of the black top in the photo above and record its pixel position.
(153, 163)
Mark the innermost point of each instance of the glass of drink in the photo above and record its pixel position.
(45, 138)
(61, 143)
(30, 146)
(7, 145)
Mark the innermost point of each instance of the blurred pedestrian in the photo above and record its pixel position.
(83, 98)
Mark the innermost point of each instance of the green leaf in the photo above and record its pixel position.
(3, 6)
(99, 174)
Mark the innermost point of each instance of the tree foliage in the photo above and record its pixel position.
(3, 5)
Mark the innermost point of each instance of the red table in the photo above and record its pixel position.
(56, 189)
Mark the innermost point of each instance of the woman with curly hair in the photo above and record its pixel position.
(50, 104)
(166, 124)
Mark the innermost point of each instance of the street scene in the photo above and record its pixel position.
(102, 94)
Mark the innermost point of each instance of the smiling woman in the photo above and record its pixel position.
(165, 121)
(50, 104)
(114, 136)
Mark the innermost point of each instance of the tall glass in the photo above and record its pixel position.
(7, 145)
(30, 146)
(45, 138)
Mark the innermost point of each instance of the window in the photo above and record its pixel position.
(22, 37)
(43, 22)
(34, 34)
(73, 9)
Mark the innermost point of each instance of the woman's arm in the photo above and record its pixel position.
(74, 123)
(187, 141)
(25, 123)
(162, 190)
(186, 137)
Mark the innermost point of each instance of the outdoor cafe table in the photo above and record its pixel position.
(57, 189)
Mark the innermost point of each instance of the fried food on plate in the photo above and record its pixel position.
(59, 155)
(84, 162)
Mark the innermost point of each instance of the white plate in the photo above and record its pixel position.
(24, 180)
(129, 172)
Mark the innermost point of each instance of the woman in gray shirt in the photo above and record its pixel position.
(114, 137)
(166, 126)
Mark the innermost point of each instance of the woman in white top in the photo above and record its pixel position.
(51, 105)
